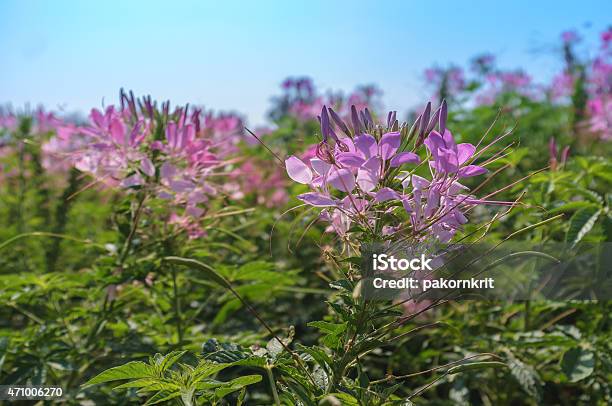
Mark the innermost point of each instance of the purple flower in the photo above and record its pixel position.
(449, 157)
(356, 180)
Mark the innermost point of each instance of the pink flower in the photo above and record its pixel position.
(450, 158)
(352, 176)
(562, 85)
(569, 37)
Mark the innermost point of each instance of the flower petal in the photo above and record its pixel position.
(97, 117)
(389, 143)
(117, 131)
(368, 175)
(446, 161)
(464, 152)
(320, 166)
(433, 143)
(471, 170)
(366, 179)
(317, 199)
(342, 179)
(449, 141)
(385, 194)
(419, 182)
(167, 171)
(403, 158)
(147, 167)
(134, 180)
(350, 159)
(298, 170)
(366, 144)
(180, 186)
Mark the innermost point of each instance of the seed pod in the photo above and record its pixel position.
(414, 128)
(443, 116)
(324, 123)
(355, 120)
(433, 122)
(369, 117)
(565, 154)
(425, 119)
(339, 122)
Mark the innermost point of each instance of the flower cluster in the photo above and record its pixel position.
(500, 82)
(8, 121)
(174, 156)
(452, 82)
(266, 184)
(40, 129)
(562, 85)
(301, 100)
(367, 176)
(600, 90)
(447, 82)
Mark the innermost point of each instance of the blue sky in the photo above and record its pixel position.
(74, 55)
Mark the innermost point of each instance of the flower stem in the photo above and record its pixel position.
(177, 306)
(273, 385)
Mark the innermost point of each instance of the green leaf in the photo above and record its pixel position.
(148, 384)
(330, 328)
(256, 362)
(131, 370)
(187, 396)
(236, 385)
(577, 364)
(4, 341)
(163, 362)
(333, 332)
(162, 396)
(344, 398)
(526, 376)
(207, 368)
(319, 355)
(241, 397)
(581, 223)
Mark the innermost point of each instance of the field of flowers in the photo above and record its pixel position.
(161, 254)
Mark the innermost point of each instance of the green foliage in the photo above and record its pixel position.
(191, 384)
(265, 309)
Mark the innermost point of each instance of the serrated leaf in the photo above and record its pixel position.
(526, 376)
(236, 385)
(330, 328)
(131, 370)
(207, 368)
(168, 360)
(577, 364)
(161, 396)
(257, 362)
(319, 355)
(344, 398)
(581, 223)
(149, 384)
